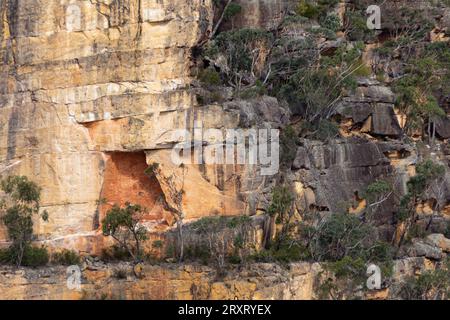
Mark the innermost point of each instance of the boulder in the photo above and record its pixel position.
(439, 240)
(420, 248)
(443, 127)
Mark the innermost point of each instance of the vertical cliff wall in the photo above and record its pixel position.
(83, 83)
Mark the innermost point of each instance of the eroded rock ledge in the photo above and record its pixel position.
(296, 281)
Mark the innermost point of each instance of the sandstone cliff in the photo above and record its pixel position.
(92, 91)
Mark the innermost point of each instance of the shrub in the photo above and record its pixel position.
(314, 9)
(326, 130)
(331, 22)
(209, 77)
(232, 10)
(66, 257)
(256, 91)
(241, 48)
(307, 9)
(357, 26)
(115, 253)
(21, 203)
(430, 285)
(427, 172)
(215, 239)
(5, 256)
(288, 146)
(348, 267)
(158, 244)
(120, 273)
(285, 252)
(123, 225)
(35, 257)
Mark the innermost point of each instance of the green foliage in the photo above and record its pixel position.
(376, 188)
(66, 257)
(348, 267)
(285, 252)
(357, 26)
(282, 199)
(426, 81)
(123, 225)
(218, 239)
(326, 130)
(308, 9)
(317, 83)
(232, 10)
(209, 77)
(362, 70)
(242, 49)
(288, 146)
(331, 22)
(21, 189)
(35, 257)
(426, 173)
(158, 244)
(430, 285)
(150, 171)
(19, 206)
(315, 9)
(32, 256)
(115, 253)
(344, 235)
(5, 256)
(256, 91)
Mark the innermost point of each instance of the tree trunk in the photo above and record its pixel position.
(181, 239)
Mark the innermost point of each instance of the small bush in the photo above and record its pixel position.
(115, 253)
(308, 9)
(348, 267)
(209, 77)
(430, 285)
(315, 9)
(331, 22)
(66, 258)
(362, 70)
(5, 256)
(326, 130)
(288, 146)
(157, 244)
(35, 257)
(284, 252)
(120, 273)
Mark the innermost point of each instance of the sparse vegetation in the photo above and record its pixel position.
(21, 203)
(429, 285)
(66, 257)
(218, 240)
(429, 177)
(124, 226)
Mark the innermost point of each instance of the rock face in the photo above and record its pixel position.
(166, 282)
(261, 281)
(331, 175)
(267, 14)
(372, 108)
(86, 90)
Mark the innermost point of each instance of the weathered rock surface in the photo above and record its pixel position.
(171, 282)
(267, 14)
(261, 281)
(372, 107)
(91, 93)
(333, 174)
